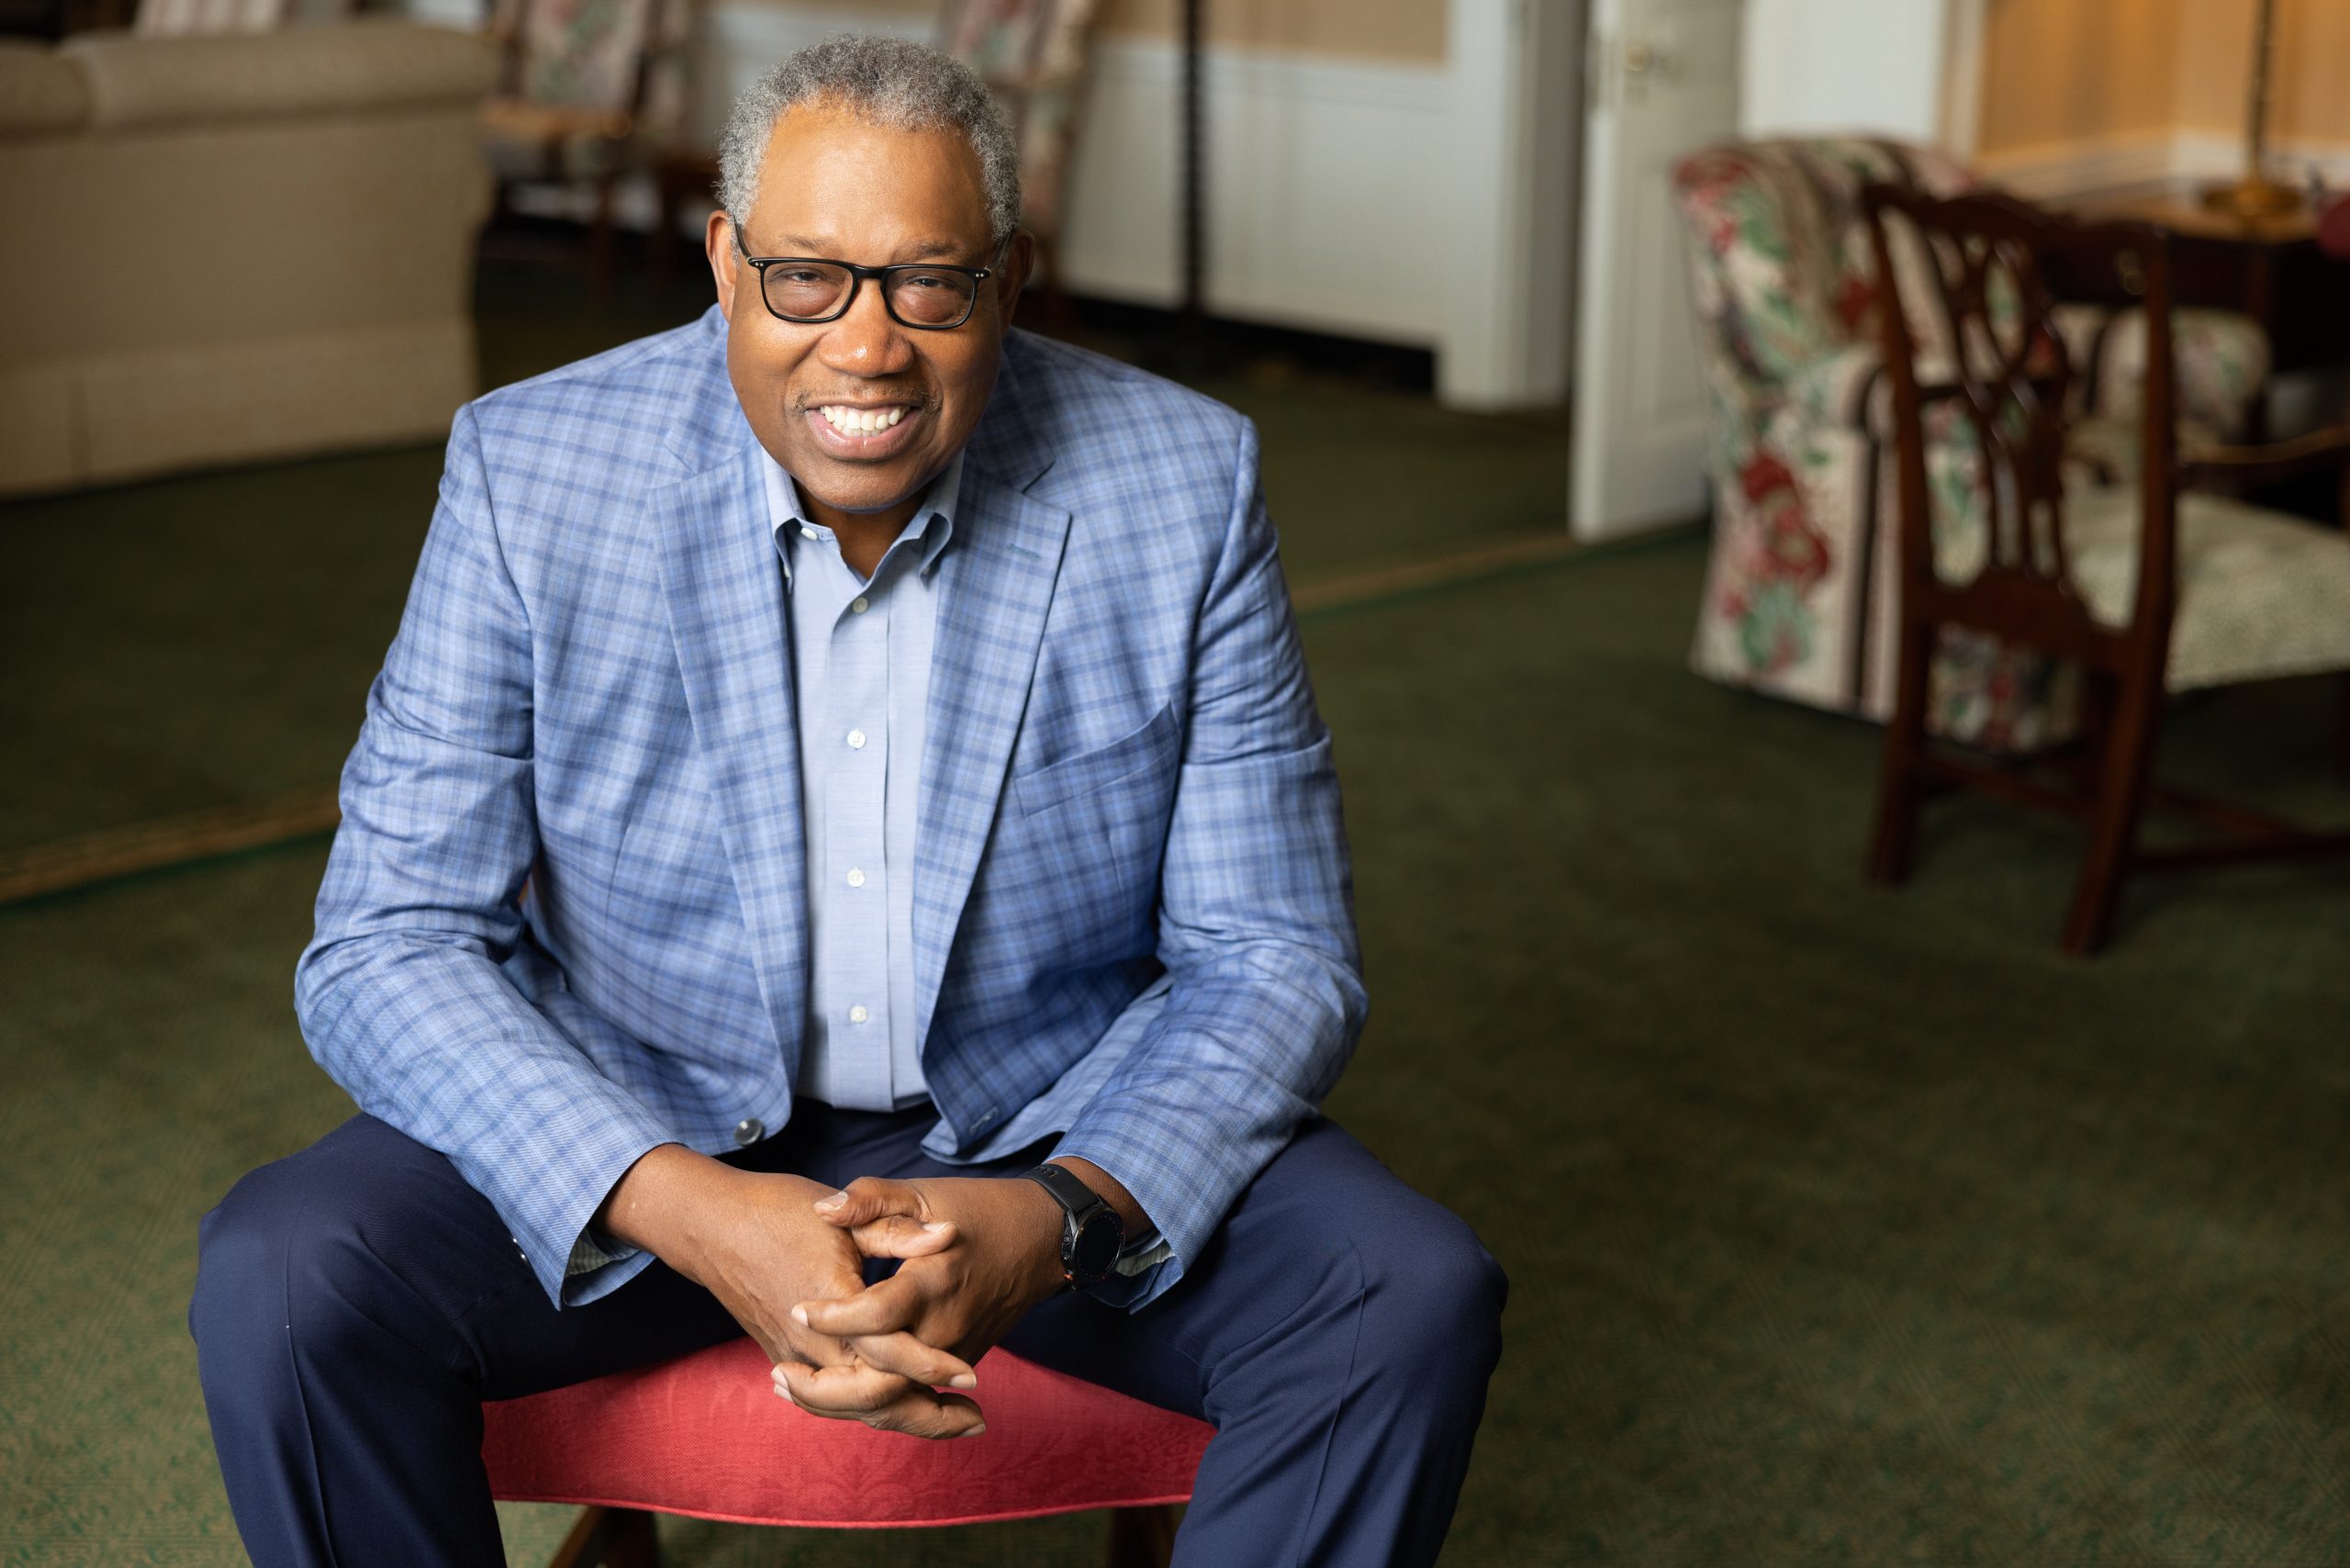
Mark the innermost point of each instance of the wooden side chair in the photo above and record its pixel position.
(2146, 588)
(591, 91)
(704, 1435)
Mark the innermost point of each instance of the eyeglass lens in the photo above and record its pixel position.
(811, 291)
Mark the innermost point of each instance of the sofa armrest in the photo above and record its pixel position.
(40, 94)
(334, 69)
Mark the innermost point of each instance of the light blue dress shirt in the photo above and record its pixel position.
(861, 653)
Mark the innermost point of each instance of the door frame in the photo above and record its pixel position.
(1516, 70)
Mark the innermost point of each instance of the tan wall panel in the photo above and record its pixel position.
(2313, 69)
(2061, 71)
(1386, 29)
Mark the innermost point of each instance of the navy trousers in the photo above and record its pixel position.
(358, 1301)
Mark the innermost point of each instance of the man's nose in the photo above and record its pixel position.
(867, 341)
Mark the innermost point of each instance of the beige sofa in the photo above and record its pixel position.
(217, 249)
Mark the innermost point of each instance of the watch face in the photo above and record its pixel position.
(1098, 1241)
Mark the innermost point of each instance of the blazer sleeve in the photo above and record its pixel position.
(402, 993)
(1256, 920)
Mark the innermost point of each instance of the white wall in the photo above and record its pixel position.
(1813, 67)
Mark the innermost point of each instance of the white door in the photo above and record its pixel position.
(1663, 81)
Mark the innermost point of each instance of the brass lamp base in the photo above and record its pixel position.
(2255, 198)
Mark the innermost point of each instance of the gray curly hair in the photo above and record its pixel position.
(889, 82)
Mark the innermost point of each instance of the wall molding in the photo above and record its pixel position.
(1326, 185)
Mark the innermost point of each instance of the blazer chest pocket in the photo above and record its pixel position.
(1151, 747)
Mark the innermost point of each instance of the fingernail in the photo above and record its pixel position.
(936, 1224)
(780, 1387)
(963, 1379)
(976, 1430)
(799, 1316)
(836, 1201)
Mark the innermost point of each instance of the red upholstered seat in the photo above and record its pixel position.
(705, 1435)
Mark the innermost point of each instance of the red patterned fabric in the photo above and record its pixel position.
(705, 1435)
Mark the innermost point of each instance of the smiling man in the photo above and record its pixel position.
(843, 848)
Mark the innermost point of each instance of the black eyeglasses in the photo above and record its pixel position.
(810, 290)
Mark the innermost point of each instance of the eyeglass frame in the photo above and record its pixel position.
(857, 277)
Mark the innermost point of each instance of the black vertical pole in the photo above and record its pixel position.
(1193, 334)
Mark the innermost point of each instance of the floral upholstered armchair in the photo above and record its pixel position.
(1799, 594)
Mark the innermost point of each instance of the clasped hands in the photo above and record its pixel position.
(786, 1256)
(975, 1254)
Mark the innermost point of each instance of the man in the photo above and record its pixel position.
(843, 742)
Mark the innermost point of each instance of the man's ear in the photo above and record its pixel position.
(1019, 258)
(718, 244)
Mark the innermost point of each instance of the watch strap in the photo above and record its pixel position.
(1078, 1205)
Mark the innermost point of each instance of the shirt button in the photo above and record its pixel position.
(855, 878)
(858, 606)
(807, 533)
(749, 1130)
(858, 1014)
(856, 740)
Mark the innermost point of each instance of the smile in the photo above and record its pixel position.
(843, 430)
(861, 421)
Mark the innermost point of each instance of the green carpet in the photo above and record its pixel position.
(1845, 1226)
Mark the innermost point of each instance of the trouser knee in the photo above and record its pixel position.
(281, 1273)
(1433, 1303)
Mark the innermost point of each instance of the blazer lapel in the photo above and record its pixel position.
(724, 591)
(996, 584)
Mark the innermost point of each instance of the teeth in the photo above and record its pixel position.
(860, 421)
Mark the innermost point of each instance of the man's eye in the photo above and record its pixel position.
(801, 277)
(923, 280)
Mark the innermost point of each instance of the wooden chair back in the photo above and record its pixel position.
(594, 55)
(1978, 277)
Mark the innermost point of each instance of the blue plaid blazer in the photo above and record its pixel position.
(565, 918)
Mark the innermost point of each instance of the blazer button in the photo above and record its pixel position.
(749, 1130)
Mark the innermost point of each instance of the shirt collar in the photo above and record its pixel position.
(933, 524)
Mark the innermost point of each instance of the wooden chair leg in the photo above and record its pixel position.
(1142, 1537)
(1895, 834)
(2113, 824)
(610, 1537)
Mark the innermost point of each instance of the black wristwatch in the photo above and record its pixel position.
(1092, 1234)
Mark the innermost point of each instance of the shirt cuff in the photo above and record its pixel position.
(589, 1254)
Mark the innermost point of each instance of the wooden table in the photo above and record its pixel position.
(2268, 268)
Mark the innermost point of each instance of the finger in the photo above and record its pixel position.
(917, 1412)
(867, 1199)
(903, 1236)
(844, 1392)
(893, 1305)
(912, 1360)
(924, 1414)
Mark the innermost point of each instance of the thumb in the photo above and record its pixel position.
(869, 1198)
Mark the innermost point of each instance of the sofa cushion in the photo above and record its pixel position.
(38, 91)
(367, 63)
